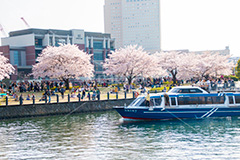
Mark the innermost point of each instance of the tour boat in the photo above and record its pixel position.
(176, 104)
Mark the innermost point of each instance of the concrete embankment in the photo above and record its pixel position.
(59, 108)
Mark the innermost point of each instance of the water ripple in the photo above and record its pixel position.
(105, 135)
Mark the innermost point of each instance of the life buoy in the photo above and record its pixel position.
(136, 94)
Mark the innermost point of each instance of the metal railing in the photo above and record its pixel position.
(6, 100)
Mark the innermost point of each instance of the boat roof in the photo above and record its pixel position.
(157, 95)
(187, 87)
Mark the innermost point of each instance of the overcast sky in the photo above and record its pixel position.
(186, 24)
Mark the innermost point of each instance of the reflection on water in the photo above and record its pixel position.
(105, 135)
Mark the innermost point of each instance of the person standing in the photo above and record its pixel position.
(98, 94)
(89, 95)
(62, 92)
(83, 93)
(49, 96)
(148, 99)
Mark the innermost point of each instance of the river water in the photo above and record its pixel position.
(104, 135)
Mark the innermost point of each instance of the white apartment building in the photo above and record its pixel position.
(134, 22)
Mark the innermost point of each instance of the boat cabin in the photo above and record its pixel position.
(188, 100)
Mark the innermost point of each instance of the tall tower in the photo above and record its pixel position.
(134, 22)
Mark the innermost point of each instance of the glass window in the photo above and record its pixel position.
(17, 58)
(152, 103)
(237, 99)
(97, 44)
(137, 101)
(218, 100)
(205, 100)
(157, 101)
(200, 100)
(98, 67)
(195, 91)
(38, 42)
(59, 41)
(230, 99)
(37, 52)
(193, 100)
(173, 101)
(183, 91)
(182, 100)
(143, 103)
(97, 56)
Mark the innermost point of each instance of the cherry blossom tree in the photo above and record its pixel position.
(131, 62)
(189, 65)
(211, 64)
(238, 69)
(5, 67)
(63, 62)
(175, 63)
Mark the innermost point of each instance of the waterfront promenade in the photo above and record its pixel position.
(39, 98)
(105, 93)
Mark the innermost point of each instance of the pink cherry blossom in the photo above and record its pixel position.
(63, 62)
(131, 62)
(189, 65)
(5, 67)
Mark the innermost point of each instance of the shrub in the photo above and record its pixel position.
(158, 89)
(115, 85)
(167, 83)
(235, 78)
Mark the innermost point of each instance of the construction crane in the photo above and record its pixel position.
(25, 22)
(2, 30)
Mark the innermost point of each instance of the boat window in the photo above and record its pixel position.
(195, 91)
(230, 99)
(201, 100)
(183, 91)
(173, 101)
(157, 101)
(137, 101)
(193, 100)
(218, 99)
(174, 90)
(188, 100)
(183, 100)
(237, 99)
(153, 102)
(205, 100)
(143, 103)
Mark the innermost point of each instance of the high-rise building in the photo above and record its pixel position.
(23, 47)
(134, 22)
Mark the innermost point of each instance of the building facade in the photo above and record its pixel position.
(134, 22)
(23, 47)
(223, 52)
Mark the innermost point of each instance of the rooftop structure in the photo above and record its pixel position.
(134, 22)
(23, 47)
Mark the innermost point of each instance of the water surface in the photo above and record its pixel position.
(104, 135)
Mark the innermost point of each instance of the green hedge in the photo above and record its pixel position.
(235, 78)
(159, 89)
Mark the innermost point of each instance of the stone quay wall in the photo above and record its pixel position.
(18, 111)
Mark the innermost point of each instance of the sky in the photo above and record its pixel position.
(185, 24)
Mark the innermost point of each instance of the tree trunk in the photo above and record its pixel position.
(66, 81)
(129, 80)
(174, 75)
(174, 78)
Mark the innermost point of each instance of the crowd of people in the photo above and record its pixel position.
(83, 88)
